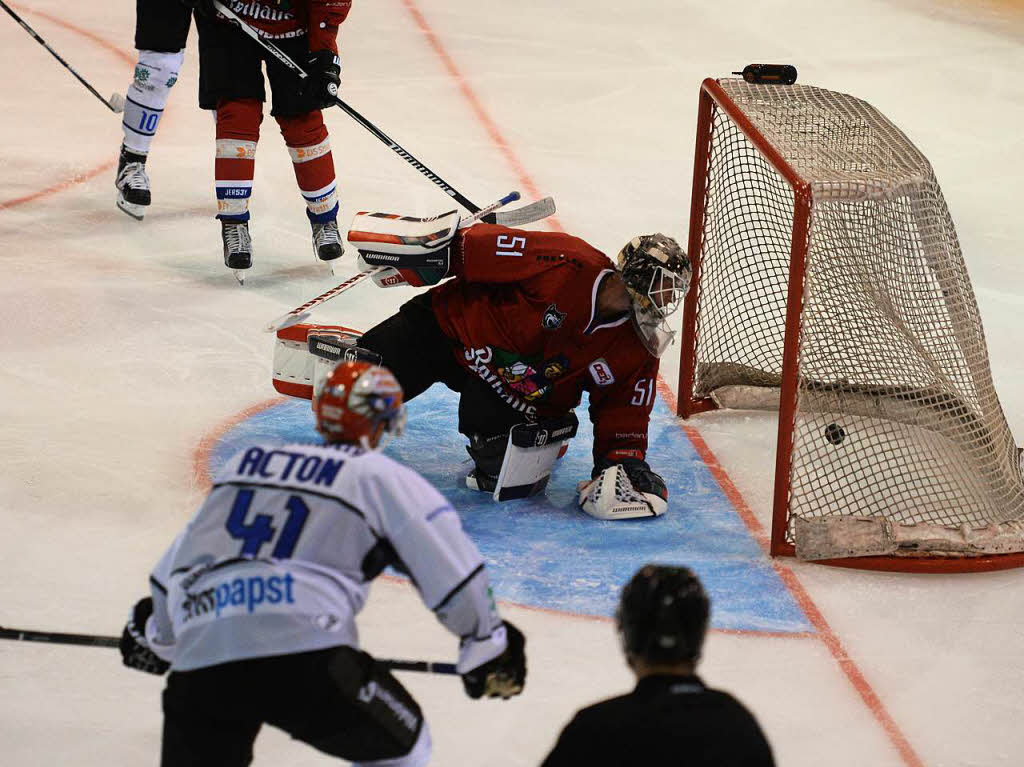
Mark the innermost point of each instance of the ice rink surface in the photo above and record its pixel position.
(130, 357)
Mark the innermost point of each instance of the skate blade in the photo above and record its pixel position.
(240, 275)
(329, 263)
(132, 209)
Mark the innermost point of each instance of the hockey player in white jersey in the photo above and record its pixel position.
(161, 30)
(253, 605)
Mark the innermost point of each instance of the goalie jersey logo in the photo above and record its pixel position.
(552, 319)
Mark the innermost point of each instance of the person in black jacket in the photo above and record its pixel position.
(671, 717)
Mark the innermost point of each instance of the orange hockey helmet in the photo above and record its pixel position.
(360, 403)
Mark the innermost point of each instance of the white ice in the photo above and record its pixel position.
(124, 344)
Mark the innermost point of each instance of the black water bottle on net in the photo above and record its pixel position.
(773, 74)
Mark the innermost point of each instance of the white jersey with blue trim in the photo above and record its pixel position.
(279, 558)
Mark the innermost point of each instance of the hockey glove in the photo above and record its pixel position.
(640, 475)
(134, 648)
(324, 78)
(503, 676)
(623, 489)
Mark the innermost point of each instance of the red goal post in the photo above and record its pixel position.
(828, 284)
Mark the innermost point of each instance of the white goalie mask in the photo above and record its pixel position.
(656, 271)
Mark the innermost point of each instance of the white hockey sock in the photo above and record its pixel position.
(155, 74)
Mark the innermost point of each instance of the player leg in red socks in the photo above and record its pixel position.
(238, 130)
(310, 148)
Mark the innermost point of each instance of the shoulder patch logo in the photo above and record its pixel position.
(553, 318)
(601, 373)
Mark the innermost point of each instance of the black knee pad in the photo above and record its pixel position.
(371, 688)
(488, 452)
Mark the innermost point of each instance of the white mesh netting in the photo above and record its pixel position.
(897, 417)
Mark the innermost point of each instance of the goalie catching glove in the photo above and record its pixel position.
(135, 650)
(624, 490)
(417, 251)
(504, 675)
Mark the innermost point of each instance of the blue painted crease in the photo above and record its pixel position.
(545, 552)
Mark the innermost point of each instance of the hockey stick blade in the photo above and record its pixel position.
(527, 214)
(287, 321)
(97, 640)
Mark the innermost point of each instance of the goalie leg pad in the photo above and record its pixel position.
(612, 496)
(532, 450)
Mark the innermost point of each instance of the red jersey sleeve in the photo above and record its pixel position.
(499, 254)
(325, 16)
(621, 412)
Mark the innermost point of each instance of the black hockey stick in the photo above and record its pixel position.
(95, 640)
(393, 145)
(114, 104)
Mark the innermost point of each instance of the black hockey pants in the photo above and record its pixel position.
(413, 347)
(339, 700)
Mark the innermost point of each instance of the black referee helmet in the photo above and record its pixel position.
(663, 614)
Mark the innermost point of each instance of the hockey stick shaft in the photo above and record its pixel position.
(393, 145)
(95, 640)
(58, 637)
(299, 313)
(56, 55)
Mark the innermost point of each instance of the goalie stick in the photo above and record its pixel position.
(95, 640)
(300, 313)
(115, 103)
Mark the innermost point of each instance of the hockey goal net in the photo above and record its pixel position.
(829, 284)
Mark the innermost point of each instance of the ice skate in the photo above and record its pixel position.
(327, 244)
(237, 247)
(480, 481)
(132, 184)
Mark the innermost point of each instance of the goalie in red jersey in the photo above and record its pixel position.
(528, 322)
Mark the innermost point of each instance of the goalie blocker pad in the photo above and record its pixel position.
(329, 348)
(417, 250)
(612, 496)
(531, 452)
(305, 354)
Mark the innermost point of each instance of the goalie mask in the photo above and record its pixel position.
(360, 403)
(657, 275)
(663, 615)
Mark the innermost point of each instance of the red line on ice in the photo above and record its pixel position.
(846, 664)
(77, 178)
(477, 107)
(204, 450)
